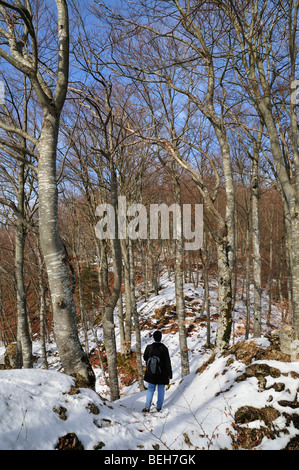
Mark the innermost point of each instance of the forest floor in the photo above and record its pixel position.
(244, 398)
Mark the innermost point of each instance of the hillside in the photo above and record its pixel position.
(245, 398)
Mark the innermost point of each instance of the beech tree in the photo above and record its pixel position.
(162, 109)
(21, 50)
(105, 147)
(181, 52)
(19, 174)
(265, 33)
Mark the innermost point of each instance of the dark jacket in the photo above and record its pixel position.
(160, 350)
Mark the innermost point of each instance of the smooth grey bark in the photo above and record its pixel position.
(42, 308)
(206, 306)
(108, 321)
(223, 225)
(293, 252)
(180, 307)
(121, 325)
(73, 359)
(270, 276)
(179, 277)
(254, 76)
(81, 169)
(128, 300)
(224, 238)
(145, 267)
(24, 343)
(83, 313)
(107, 146)
(255, 230)
(16, 148)
(98, 346)
(178, 244)
(135, 318)
(224, 326)
(289, 280)
(247, 274)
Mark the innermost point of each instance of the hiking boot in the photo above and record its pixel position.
(145, 409)
(159, 409)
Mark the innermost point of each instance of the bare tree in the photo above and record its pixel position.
(180, 52)
(19, 178)
(106, 148)
(23, 53)
(266, 33)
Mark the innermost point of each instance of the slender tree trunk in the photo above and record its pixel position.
(83, 314)
(236, 263)
(121, 323)
(278, 281)
(128, 312)
(225, 250)
(179, 280)
(261, 91)
(42, 309)
(256, 257)
(224, 298)
(295, 267)
(289, 280)
(294, 251)
(108, 322)
(144, 258)
(270, 277)
(95, 335)
(73, 359)
(206, 307)
(24, 343)
(247, 275)
(110, 347)
(136, 319)
(224, 239)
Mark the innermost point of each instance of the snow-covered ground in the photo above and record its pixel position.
(37, 407)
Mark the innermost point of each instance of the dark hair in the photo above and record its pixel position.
(157, 335)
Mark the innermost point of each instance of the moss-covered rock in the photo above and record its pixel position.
(69, 442)
(99, 446)
(94, 409)
(61, 411)
(247, 414)
(293, 444)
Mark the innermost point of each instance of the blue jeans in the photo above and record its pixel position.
(150, 393)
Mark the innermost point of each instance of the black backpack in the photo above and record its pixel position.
(153, 365)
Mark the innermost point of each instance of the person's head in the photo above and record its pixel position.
(157, 336)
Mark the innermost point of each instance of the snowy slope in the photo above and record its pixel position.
(38, 407)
